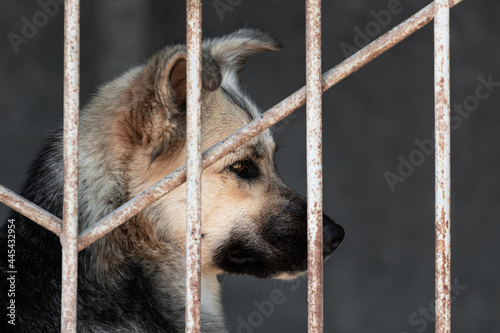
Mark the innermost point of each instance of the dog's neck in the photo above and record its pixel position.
(211, 299)
(162, 265)
(134, 247)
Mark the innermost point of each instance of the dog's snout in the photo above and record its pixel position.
(333, 234)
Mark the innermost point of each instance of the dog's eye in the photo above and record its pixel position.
(245, 169)
(240, 166)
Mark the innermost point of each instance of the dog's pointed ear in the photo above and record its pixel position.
(171, 84)
(233, 50)
(156, 101)
(172, 81)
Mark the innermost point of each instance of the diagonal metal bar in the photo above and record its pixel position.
(194, 167)
(69, 235)
(30, 210)
(266, 120)
(314, 167)
(442, 164)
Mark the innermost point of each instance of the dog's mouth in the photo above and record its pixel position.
(243, 260)
(240, 257)
(277, 253)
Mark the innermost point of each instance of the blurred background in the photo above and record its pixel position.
(378, 124)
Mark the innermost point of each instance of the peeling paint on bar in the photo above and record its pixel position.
(314, 167)
(442, 163)
(69, 235)
(266, 120)
(194, 167)
(30, 210)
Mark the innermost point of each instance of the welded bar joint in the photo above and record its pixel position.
(69, 235)
(314, 167)
(194, 167)
(30, 210)
(257, 126)
(442, 163)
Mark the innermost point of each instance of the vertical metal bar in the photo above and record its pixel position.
(442, 176)
(314, 167)
(69, 236)
(194, 168)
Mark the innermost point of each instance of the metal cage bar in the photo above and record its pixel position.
(194, 167)
(69, 235)
(31, 211)
(442, 163)
(314, 167)
(68, 230)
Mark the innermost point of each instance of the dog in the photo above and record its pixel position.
(132, 134)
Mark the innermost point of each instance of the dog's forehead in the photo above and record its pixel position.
(259, 147)
(230, 109)
(231, 89)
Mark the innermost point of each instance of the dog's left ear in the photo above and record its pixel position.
(233, 50)
(171, 86)
(155, 101)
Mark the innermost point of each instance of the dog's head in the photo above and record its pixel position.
(252, 223)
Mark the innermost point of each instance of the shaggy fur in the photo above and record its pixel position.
(132, 134)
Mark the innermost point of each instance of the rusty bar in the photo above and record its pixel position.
(442, 163)
(69, 235)
(314, 167)
(266, 120)
(132, 207)
(30, 210)
(194, 167)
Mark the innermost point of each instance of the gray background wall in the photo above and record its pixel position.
(382, 277)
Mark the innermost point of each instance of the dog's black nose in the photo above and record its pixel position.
(333, 234)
